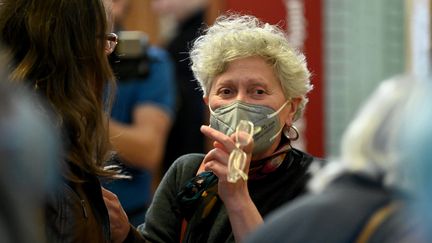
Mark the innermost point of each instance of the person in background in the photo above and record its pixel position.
(119, 11)
(415, 137)
(186, 17)
(29, 150)
(247, 70)
(367, 195)
(58, 49)
(141, 116)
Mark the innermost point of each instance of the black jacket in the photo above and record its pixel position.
(165, 215)
(342, 213)
(76, 212)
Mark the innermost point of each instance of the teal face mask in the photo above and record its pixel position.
(266, 122)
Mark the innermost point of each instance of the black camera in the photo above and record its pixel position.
(130, 60)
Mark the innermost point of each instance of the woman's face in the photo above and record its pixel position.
(253, 81)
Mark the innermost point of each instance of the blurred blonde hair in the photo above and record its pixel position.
(371, 145)
(234, 37)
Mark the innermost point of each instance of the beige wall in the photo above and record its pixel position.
(142, 18)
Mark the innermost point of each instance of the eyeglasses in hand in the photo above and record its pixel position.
(237, 159)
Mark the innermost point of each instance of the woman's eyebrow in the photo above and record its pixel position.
(225, 82)
(257, 82)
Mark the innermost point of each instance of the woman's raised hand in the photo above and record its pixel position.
(217, 160)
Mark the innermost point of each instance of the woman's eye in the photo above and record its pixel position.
(259, 91)
(225, 91)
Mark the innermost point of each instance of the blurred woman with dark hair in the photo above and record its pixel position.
(59, 48)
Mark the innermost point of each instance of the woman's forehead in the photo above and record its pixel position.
(250, 71)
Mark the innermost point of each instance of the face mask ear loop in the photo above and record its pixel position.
(210, 109)
(277, 134)
(279, 110)
(212, 114)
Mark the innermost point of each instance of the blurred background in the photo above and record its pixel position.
(350, 45)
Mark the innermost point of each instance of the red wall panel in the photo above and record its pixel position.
(313, 49)
(271, 11)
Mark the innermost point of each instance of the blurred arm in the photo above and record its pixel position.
(142, 143)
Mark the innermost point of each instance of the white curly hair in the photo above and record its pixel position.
(235, 36)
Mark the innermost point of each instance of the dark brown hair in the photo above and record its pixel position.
(58, 47)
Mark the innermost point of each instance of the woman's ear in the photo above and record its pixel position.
(206, 100)
(292, 110)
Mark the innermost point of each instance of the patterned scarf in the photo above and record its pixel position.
(261, 168)
(198, 198)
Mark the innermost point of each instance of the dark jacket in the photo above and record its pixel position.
(164, 218)
(352, 208)
(76, 212)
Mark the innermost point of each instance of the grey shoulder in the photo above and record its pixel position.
(187, 164)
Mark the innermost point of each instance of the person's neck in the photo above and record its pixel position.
(275, 146)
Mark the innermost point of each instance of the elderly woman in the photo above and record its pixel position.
(247, 71)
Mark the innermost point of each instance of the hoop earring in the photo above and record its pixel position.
(287, 130)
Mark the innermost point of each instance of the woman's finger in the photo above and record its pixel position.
(218, 145)
(218, 155)
(119, 222)
(225, 142)
(218, 169)
(108, 194)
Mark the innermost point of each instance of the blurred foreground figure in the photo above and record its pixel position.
(29, 150)
(367, 196)
(59, 48)
(416, 139)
